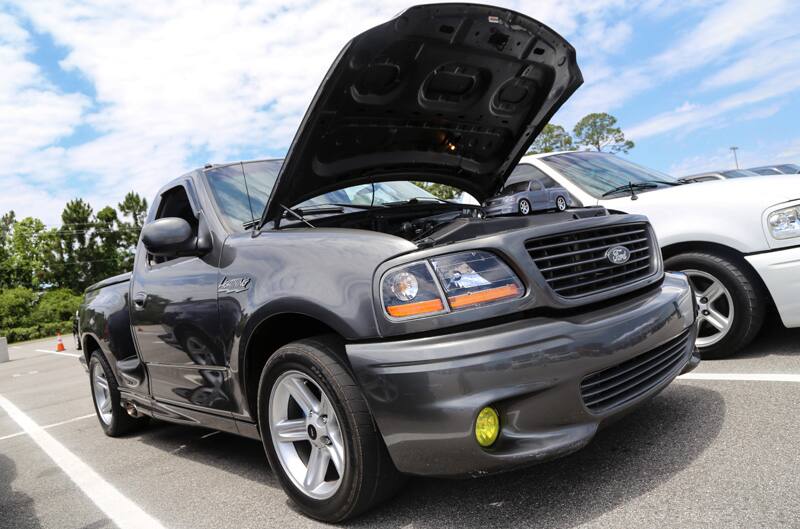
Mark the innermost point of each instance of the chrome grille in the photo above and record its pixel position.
(575, 264)
(615, 386)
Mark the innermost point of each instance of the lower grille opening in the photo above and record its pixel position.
(612, 387)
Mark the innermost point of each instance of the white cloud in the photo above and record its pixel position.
(34, 114)
(761, 153)
(725, 28)
(693, 116)
(175, 79)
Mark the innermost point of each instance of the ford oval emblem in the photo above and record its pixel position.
(618, 255)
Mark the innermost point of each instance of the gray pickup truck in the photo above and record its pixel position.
(361, 328)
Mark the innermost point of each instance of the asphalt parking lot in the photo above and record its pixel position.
(720, 451)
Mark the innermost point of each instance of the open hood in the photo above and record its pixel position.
(447, 93)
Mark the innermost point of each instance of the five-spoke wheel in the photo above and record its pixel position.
(730, 300)
(318, 433)
(306, 433)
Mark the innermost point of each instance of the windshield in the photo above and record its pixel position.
(515, 188)
(371, 195)
(788, 168)
(738, 173)
(598, 173)
(241, 190)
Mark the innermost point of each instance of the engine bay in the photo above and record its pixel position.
(438, 223)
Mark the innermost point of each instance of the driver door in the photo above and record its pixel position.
(175, 317)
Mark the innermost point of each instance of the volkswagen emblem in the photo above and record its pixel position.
(618, 255)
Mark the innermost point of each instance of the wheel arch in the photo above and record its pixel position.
(90, 344)
(269, 335)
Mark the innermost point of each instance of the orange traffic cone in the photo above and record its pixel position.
(60, 346)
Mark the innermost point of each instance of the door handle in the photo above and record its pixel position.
(139, 300)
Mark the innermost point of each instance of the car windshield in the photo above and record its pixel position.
(241, 190)
(599, 173)
(514, 188)
(738, 173)
(371, 195)
(765, 170)
(788, 168)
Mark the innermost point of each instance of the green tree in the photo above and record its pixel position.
(29, 245)
(552, 138)
(439, 190)
(110, 250)
(6, 227)
(76, 249)
(134, 210)
(598, 131)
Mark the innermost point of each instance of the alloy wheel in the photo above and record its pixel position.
(561, 204)
(307, 435)
(102, 393)
(715, 304)
(524, 207)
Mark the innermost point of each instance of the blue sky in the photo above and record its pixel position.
(97, 99)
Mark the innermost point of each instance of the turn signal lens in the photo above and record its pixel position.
(415, 309)
(487, 427)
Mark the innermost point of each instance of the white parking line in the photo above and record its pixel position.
(74, 355)
(122, 511)
(74, 419)
(755, 377)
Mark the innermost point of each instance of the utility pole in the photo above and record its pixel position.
(735, 158)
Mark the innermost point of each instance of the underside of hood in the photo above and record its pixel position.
(450, 93)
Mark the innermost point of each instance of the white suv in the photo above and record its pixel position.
(738, 240)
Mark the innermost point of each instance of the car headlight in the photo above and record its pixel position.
(785, 223)
(448, 283)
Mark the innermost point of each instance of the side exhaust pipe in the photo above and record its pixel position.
(130, 407)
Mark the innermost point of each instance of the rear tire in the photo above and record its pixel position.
(330, 423)
(730, 316)
(112, 417)
(561, 203)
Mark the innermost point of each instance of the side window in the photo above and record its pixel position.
(175, 203)
(535, 185)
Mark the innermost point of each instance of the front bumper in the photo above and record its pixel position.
(780, 271)
(426, 392)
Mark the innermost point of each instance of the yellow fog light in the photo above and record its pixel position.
(487, 427)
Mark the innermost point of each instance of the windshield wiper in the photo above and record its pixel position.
(632, 187)
(416, 200)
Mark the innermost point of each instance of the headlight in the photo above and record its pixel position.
(785, 223)
(475, 278)
(410, 291)
(462, 280)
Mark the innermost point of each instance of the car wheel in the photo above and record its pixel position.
(114, 419)
(730, 301)
(524, 207)
(319, 435)
(561, 204)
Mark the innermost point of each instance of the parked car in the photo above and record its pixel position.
(787, 168)
(528, 190)
(738, 240)
(362, 329)
(717, 175)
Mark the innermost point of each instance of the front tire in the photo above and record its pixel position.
(113, 418)
(731, 301)
(319, 435)
(524, 207)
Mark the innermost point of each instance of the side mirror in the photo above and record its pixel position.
(169, 237)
